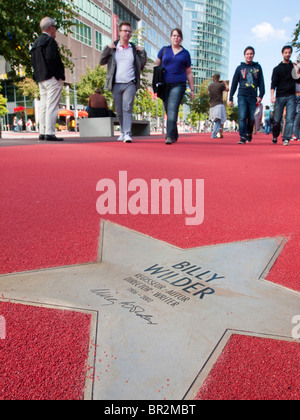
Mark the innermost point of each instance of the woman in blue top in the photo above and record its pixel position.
(176, 61)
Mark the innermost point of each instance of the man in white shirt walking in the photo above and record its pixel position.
(125, 62)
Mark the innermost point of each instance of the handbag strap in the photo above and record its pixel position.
(162, 56)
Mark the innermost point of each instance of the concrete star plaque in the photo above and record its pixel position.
(160, 311)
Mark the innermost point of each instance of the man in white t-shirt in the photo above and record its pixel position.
(125, 62)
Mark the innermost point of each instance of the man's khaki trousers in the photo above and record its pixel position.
(50, 93)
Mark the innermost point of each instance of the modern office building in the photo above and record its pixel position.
(153, 18)
(98, 27)
(206, 33)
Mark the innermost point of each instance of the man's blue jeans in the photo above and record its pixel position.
(247, 107)
(290, 103)
(217, 127)
(175, 93)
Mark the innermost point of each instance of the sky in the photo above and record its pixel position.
(267, 25)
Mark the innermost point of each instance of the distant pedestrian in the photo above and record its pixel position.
(267, 115)
(20, 124)
(29, 125)
(217, 112)
(49, 73)
(249, 77)
(296, 129)
(125, 62)
(176, 61)
(97, 106)
(15, 123)
(284, 84)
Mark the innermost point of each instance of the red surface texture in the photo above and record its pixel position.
(48, 218)
(252, 368)
(48, 196)
(44, 353)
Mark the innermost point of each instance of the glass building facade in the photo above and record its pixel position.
(153, 18)
(206, 32)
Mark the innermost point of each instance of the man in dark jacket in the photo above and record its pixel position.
(49, 73)
(125, 61)
(285, 85)
(249, 76)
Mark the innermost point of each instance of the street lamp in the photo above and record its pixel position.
(75, 95)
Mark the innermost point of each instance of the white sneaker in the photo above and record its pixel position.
(122, 137)
(294, 138)
(127, 139)
(286, 143)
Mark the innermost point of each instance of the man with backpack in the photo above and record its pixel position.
(125, 61)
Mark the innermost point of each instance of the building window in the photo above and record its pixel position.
(101, 41)
(82, 33)
(124, 15)
(95, 14)
(98, 41)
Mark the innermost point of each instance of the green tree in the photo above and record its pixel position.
(89, 81)
(200, 105)
(3, 109)
(296, 35)
(19, 27)
(29, 88)
(143, 102)
(157, 108)
(232, 113)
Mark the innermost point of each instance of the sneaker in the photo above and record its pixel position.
(286, 143)
(169, 140)
(294, 138)
(274, 140)
(41, 137)
(121, 138)
(249, 138)
(242, 141)
(127, 138)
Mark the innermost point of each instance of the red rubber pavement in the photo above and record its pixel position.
(252, 368)
(44, 353)
(48, 197)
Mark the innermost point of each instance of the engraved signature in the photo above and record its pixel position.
(138, 311)
(106, 295)
(132, 307)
